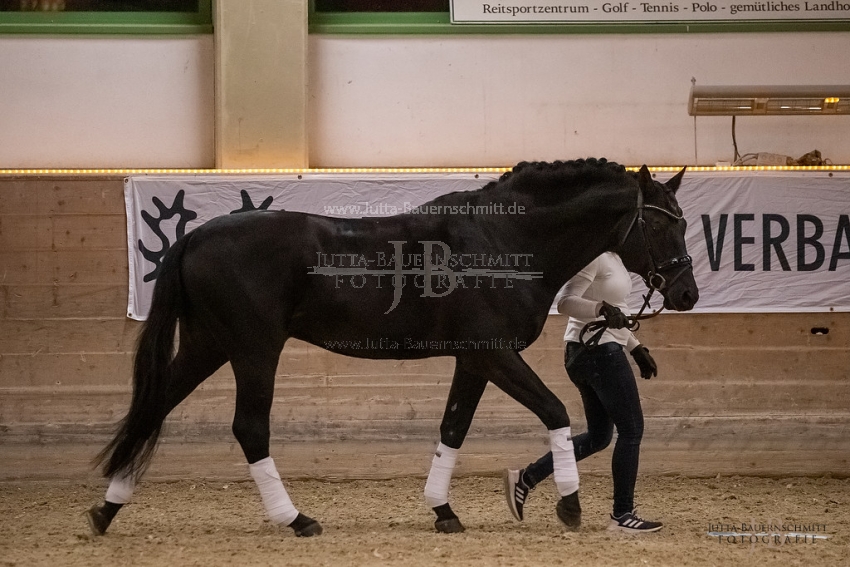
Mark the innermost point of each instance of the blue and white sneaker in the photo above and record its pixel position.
(630, 523)
(516, 492)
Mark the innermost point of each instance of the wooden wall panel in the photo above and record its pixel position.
(61, 232)
(63, 266)
(55, 301)
(55, 196)
(737, 393)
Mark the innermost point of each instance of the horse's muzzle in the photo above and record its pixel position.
(683, 300)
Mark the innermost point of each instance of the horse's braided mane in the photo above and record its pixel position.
(576, 167)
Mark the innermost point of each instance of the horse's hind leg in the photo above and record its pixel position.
(197, 358)
(466, 390)
(251, 427)
(510, 373)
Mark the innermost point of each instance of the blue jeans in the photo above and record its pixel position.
(610, 397)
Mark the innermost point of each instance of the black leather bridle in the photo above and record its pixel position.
(653, 280)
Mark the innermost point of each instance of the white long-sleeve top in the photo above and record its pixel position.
(604, 279)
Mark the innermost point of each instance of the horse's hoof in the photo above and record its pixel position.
(569, 512)
(310, 530)
(98, 522)
(449, 526)
(447, 521)
(305, 526)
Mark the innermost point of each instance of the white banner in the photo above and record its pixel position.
(535, 11)
(761, 241)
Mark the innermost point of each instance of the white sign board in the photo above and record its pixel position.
(548, 12)
(760, 241)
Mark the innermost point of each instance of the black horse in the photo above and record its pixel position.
(470, 275)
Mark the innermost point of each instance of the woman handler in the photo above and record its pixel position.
(607, 386)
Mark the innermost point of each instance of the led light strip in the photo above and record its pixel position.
(754, 168)
(254, 171)
(380, 170)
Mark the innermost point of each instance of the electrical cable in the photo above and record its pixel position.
(737, 156)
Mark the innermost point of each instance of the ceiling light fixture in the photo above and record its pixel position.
(756, 100)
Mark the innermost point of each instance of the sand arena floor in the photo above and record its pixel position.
(211, 523)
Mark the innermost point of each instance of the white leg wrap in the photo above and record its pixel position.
(566, 472)
(278, 505)
(120, 489)
(440, 477)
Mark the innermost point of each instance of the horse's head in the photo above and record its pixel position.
(654, 246)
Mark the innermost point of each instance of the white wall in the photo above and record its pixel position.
(496, 100)
(106, 102)
(73, 101)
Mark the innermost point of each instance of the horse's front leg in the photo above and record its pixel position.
(466, 390)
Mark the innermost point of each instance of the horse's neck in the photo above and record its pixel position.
(565, 237)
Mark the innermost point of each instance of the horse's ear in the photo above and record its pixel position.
(674, 182)
(644, 177)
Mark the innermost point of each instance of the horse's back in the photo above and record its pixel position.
(331, 282)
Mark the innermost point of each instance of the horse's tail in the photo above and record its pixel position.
(130, 452)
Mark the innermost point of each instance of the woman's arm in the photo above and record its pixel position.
(571, 301)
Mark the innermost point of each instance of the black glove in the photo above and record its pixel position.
(614, 318)
(645, 362)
